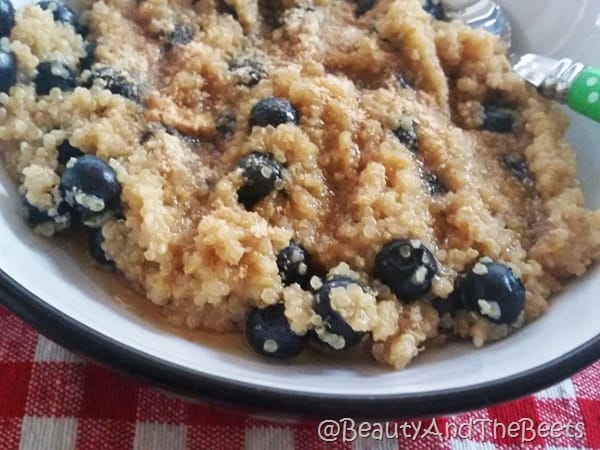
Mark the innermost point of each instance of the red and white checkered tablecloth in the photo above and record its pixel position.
(51, 399)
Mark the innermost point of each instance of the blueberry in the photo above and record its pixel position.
(87, 61)
(7, 17)
(519, 168)
(51, 75)
(146, 136)
(434, 7)
(296, 265)
(182, 34)
(499, 119)
(225, 8)
(335, 331)
(362, 6)
(48, 221)
(261, 174)
(95, 248)
(226, 124)
(406, 267)
(402, 81)
(8, 71)
(66, 151)
(90, 186)
(269, 334)
(171, 130)
(491, 289)
(247, 72)
(445, 305)
(434, 184)
(271, 12)
(407, 135)
(273, 111)
(116, 81)
(62, 13)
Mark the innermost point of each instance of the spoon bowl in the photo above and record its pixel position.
(485, 14)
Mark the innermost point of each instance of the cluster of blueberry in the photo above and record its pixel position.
(57, 74)
(406, 266)
(261, 173)
(267, 330)
(89, 191)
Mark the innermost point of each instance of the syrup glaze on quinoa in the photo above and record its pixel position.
(365, 166)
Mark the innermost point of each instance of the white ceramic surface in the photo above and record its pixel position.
(555, 28)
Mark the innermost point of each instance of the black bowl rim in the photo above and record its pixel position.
(89, 343)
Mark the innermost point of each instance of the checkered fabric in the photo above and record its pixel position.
(51, 399)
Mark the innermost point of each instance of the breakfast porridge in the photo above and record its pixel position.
(331, 174)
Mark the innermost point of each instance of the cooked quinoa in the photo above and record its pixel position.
(378, 128)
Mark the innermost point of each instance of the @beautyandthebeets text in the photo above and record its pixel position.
(524, 430)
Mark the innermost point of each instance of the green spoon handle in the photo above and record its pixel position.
(584, 93)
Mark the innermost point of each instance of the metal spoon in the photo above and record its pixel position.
(562, 80)
(485, 14)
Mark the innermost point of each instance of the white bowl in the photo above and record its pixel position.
(42, 283)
